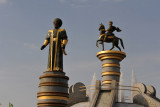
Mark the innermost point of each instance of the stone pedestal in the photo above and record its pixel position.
(53, 89)
(110, 66)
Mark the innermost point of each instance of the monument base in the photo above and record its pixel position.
(110, 65)
(53, 89)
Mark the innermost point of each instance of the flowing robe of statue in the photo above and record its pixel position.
(56, 38)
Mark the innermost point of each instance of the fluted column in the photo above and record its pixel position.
(110, 65)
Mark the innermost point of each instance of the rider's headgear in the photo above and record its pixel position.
(110, 22)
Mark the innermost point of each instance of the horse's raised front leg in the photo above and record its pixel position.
(97, 43)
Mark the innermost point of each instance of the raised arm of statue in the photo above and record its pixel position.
(118, 30)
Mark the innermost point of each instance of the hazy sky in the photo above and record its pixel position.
(25, 23)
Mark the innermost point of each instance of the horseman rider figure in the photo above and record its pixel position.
(109, 37)
(111, 29)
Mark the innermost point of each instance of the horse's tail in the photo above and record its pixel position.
(121, 42)
(97, 44)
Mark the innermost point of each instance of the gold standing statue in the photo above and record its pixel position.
(57, 40)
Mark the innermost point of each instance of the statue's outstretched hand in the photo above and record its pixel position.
(42, 47)
(118, 30)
